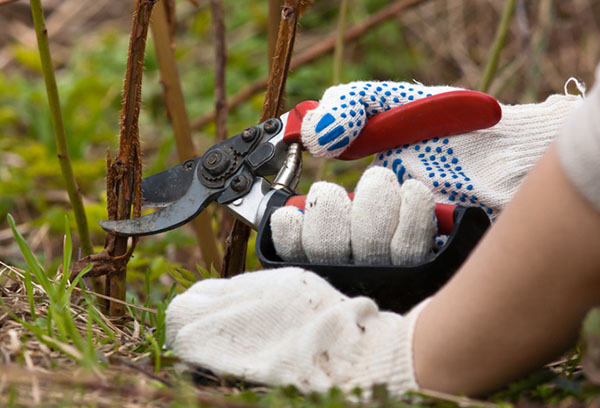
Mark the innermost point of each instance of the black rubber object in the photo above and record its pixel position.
(393, 288)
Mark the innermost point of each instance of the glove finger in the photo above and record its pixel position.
(246, 307)
(343, 111)
(210, 296)
(413, 239)
(374, 217)
(327, 130)
(286, 229)
(326, 229)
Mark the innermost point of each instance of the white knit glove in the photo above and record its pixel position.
(289, 326)
(385, 223)
(482, 168)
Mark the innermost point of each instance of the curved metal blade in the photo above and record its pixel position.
(196, 199)
(161, 189)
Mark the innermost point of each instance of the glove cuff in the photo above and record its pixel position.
(578, 147)
(390, 357)
(529, 129)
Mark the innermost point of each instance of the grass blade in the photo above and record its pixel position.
(67, 252)
(90, 302)
(30, 258)
(156, 352)
(78, 278)
(30, 298)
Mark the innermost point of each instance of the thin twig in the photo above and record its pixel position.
(338, 53)
(338, 57)
(169, 7)
(177, 112)
(111, 299)
(218, 22)
(499, 40)
(59, 128)
(538, 48)
(273, 104)
(460, 401)
(237, 242)
(314, 52)
(141, 370)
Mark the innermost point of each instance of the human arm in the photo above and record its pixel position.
(519, 300)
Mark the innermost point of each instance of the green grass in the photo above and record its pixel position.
(58, 330)
(51, 320)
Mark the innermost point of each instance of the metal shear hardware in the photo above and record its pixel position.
(233, 174)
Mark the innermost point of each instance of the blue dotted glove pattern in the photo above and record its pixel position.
(436, 163)
(344, 109)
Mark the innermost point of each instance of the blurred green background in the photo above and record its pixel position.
(433, 42)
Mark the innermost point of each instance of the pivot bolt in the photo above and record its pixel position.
(249, 134)
(239, 183)
(271, 126)
(216, 162)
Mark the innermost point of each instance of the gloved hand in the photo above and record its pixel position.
(482, 168)
(385, 223)
(289, 326)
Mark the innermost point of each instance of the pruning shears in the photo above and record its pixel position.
(233, 174)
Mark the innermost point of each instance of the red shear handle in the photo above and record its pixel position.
(294, 121)
(443, 212)
(440, 115)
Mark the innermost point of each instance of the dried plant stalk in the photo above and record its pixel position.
(236, 245)
(273, 104)
(273, 28)
(177, 112)
(237, 241)
(125, 172)
(169, 8)
(218, 21)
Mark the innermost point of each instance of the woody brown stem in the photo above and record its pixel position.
(237, 242)
(273, 28)
(218, 21)
(177, 112)
(125, 172)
